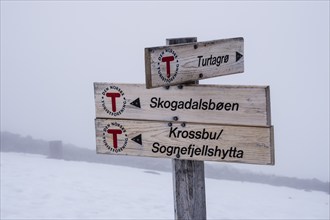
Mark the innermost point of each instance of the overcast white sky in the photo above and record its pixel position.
(53, 51)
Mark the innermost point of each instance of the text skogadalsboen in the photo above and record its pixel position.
(158, 102)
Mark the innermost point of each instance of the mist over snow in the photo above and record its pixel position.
(36, 187)
(53, 51)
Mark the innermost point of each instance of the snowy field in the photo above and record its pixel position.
(35, 187)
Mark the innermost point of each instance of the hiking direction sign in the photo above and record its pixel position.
(184, 123)
(189, 141)
(213, 104)
(181, 63)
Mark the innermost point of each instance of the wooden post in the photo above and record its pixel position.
(188, 177)
(55, 149)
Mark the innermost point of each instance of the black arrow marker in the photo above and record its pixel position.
(238, 56)
(136, 103)
(138, 139)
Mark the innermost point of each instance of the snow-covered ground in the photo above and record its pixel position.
(35, 187)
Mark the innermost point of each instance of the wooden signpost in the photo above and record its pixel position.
(215, 104)
(188, 123)
(190, 141)
(177, 64)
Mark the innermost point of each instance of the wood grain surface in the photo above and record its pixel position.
(215, 104)
(240, 144)
(176, 64)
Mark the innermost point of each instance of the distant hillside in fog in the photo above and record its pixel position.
(15, 143)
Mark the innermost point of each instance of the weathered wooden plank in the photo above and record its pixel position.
(180, 63)
(240, 105)
(240, 144)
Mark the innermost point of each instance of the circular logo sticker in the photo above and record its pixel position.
(113, 100)
(168, 65)
(115, 137)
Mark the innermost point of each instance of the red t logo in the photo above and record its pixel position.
(168, 67)
(113, 96)
(114, 133)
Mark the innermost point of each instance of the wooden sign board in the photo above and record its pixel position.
(180, 63)
(213, 104)
(240, 144)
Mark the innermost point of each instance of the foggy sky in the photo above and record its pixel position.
(52, 52)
